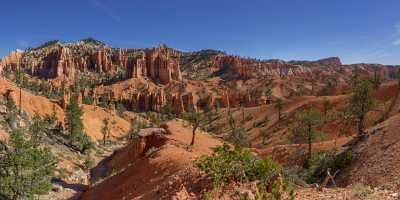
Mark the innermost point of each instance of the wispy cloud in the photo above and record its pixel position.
(397, 27)
(106, 10)
(22, 43)
(396, 41)
(335, 43)
(381, 50)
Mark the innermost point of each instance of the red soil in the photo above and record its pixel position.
(153, 177)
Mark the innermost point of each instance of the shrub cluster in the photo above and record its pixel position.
(323, 161)
(238, 165)
(25, 169)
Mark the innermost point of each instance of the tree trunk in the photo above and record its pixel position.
(193, 135)
(279, 114)
(312, 88)
(361, 125)
(309, 146)
(336, 137)
(263, 139)
(242, 114)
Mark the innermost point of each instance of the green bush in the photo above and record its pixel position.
(261, 123)
(25, 170)
(154, 118)
(88, 163)
(93, 41)
(249, 117)
(323, 161)
(44, 45)
(74, 126)
(361, 191)
(240, 137)
(120, 108)
(88, 100)
(167, 112)
(238, 165)
(136, 125)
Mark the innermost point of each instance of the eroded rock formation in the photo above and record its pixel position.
(148, 79)
(12, 60)
(245, 68)
(156, 64)
(160, 64)
(146, 99)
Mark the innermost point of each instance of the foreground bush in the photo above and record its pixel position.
(25, 170)
(323, 161)
(238, 165)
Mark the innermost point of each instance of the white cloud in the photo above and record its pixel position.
(396, 42)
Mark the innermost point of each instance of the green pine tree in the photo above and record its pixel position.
(198, 120)
(136, 125)
(74, 125)
(238, 134)
(12, 110)
(361, 101)
(279, 106)
(304, 129)
(25, 170)
(398, 78)
(326, 106)
(37, 129)
(105, 130)
(376, 80)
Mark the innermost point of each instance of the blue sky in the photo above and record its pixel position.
(355, 30)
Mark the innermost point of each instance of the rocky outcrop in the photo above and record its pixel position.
(332, 61)
(101, 61)
(242, 98)
(56, 62)
(148, 100)
(218, 101)
(160, 64)
(148, 79)
(156, 64)
(183, 102)
(62, 62)
(234, 67)
(386, 72)
(326, 62)
(12, 60)
(147, 139)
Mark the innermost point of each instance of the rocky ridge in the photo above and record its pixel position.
(149, 79)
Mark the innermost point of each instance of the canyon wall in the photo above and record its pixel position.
(149, 79)
(64, 61)
(245, 68)
(11, 60)
(156, 64)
